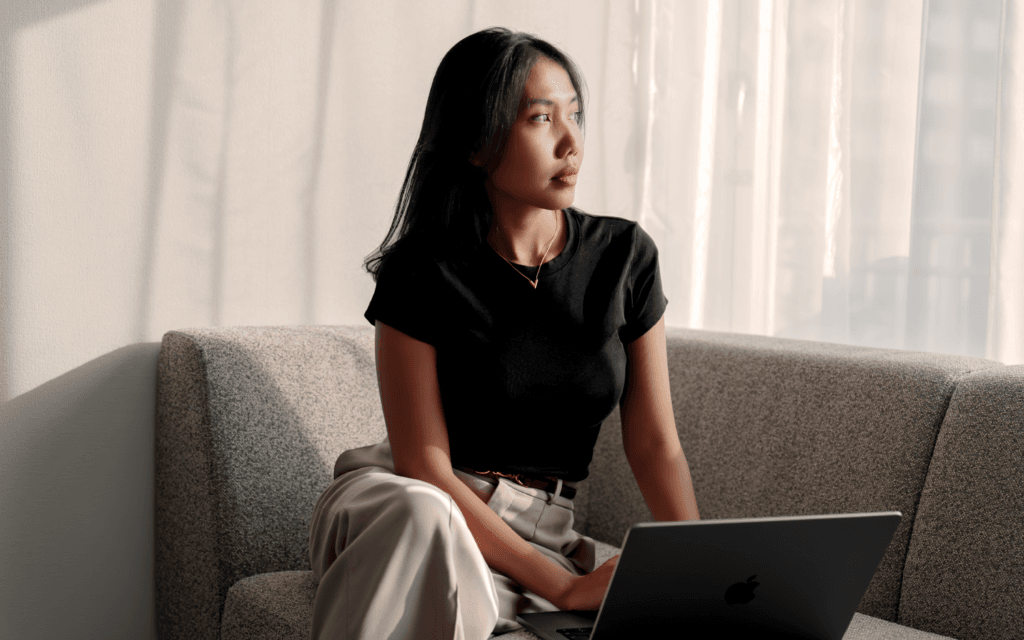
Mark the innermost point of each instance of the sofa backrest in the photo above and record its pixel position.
(249, 424)
(965, 567)
(774, 427)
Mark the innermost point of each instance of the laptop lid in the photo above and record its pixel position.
(793, 577)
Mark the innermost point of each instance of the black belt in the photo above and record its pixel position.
(544, 483)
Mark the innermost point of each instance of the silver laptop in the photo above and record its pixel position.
(794, 577)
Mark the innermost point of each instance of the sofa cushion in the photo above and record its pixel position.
(864, 627)
(275, 605)
(774, 427)
(279, 606)
(965, 567)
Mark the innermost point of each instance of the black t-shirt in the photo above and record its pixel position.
(528, 375)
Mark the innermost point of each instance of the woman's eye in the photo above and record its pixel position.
(545, 117)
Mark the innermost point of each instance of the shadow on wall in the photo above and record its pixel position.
(76, 494)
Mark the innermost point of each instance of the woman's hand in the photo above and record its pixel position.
(585, 593)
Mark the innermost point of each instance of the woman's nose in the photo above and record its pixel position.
(571, 139)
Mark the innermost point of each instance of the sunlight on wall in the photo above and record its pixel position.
(78, 185)
(218, 162)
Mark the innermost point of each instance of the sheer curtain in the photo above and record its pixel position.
(787, 210)
(841, 170)
(1005, 336)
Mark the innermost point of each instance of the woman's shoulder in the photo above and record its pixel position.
(594, 220)
(406, 259)
(611, 229)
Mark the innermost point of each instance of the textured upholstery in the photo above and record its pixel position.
(250, 421)
(280, 605)
(965, 567)
(776, 427)
(249, 424)
(275, 605)
(864, 627)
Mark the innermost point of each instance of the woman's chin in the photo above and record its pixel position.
(563, 198)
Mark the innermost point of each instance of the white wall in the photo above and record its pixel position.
(76, 440)
(76, 498)
(180, 163)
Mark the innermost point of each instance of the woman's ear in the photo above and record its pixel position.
(486, 158)
(482, 163)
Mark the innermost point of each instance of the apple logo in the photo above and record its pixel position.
(741, 592)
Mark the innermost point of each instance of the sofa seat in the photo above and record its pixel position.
(270, 605)
(280, 605)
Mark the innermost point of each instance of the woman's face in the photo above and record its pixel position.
(545, 146)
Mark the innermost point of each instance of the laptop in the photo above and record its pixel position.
(791, 577)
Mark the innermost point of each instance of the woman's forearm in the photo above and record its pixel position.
(502, 547)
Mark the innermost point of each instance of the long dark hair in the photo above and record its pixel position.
(473, 103)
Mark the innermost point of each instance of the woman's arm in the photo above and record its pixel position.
(649, 430)
(411, 399)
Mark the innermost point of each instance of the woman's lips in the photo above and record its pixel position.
(566, 177)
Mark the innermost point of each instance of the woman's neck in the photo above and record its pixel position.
(529, 239)
(525, 235)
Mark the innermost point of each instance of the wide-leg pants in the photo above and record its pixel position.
(395, 558)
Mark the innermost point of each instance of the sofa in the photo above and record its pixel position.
(251, 419)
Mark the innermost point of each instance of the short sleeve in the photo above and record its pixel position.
(407, 296)
(645, 301)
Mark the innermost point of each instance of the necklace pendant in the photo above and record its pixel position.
(543, 259)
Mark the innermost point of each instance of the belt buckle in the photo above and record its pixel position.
(516, 477)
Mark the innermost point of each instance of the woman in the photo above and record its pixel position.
(509, 325)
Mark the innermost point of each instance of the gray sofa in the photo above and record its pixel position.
(250, 421)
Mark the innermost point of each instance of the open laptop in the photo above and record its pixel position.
(792, 577)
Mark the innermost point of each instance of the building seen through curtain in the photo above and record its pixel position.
(948, 289)
(842, 187)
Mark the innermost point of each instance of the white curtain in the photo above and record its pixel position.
(178, 163)
(1005, 335)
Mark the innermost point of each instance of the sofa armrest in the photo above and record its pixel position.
(965, 566)
(249, 423)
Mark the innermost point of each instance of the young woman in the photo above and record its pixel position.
(509, 325)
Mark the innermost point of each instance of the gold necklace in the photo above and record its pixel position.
(536, 279)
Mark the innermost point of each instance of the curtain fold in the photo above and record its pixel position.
(1006, 291)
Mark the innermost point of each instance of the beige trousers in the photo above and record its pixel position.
(395, 558)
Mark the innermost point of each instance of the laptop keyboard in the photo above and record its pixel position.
(580, 633)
